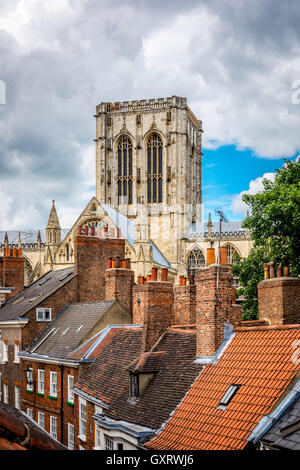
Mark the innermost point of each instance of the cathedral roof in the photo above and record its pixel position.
(227, 229)
(28, 237)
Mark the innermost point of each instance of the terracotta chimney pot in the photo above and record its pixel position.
(154, 274)
(286, 271)
(211, 257)
(117, 262)
(164, 274)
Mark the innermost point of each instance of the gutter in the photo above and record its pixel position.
(48, 359)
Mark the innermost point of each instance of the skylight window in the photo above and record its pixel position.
(228, 396)
(65, 276)
(44, 281)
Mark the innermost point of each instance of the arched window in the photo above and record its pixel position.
(230, 252)
(124, 171)
(154, 169)
(67, 253)
(195, 260)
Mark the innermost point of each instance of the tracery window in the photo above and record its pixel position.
(154, 169)
(195, 260)
(230, 252)
(125, 170)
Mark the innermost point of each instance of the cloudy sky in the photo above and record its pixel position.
(237, 62)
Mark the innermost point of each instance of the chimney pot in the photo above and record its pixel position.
(86, 230)
(164, 274)
(11, 252)
(272, 270)
(93, 231)
(109, 263)
(154, 274)
(117, 262)
(79, 229)
(123, 263)
(127, 261)
(279, 272)
(266, 271)
(211, 257)
(223, 258)
(113, 263)
(286, 271)
(148, 278)
(20, 252)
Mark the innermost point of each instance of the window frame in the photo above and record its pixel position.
(5, 393)
(53, 385)
(71, 436)
(44, 311)
(70, 391)
(29, 387)
(228, 396)
(82, 421)
(53, 425)
(16, 351)
(108, 442)
(39, 421)
(41, 390)
(17, 397)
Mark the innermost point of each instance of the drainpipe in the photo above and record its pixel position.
(61, 403)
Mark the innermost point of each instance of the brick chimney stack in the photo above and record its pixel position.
(119, 282)
(184, 306)
(279, 297)
(213, 308)
(91, 255)
(12, 270)
(152, 306)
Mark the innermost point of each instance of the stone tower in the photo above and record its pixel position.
(53, 230)
(148, 153)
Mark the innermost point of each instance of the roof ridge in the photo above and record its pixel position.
(277, 327)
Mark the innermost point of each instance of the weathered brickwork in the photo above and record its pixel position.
(89, 442)
(58, 406)
(91, 254)
(212, 311)
(184, 307)
(279, 300)
(118, 286)
(158, 306)
(12, 273)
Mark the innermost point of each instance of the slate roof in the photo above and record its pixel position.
(34, 294)
(19, 432)
(69, 329)
(107, 379)
(285, 434)
(259, 360)
(28, 237)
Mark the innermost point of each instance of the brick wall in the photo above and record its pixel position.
(184, 306)
(210, 317)
(138, 304)
(118, 286)
(158, 307)
(12, 274)
(91, 254)
(59, 407)
(279, 300)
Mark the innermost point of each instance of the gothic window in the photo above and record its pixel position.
(154, 169)
(195, 260)
(67, 253)
(230, 252)
(124, 171)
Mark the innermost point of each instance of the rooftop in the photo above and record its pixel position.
(34, 294)
(258, 361)
(69, 329)
(171, 361)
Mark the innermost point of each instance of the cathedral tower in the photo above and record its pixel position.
(148, 153)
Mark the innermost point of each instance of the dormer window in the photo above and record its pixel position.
(134, 386)
(228, 396)
(43, 314)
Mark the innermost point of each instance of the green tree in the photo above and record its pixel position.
(274, 219)
(250, 271)
(274, 222)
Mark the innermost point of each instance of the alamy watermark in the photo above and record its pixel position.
(296, 93)
(2, 92)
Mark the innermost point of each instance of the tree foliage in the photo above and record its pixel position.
(274, 222)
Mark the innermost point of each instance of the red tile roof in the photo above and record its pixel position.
(260, 361)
